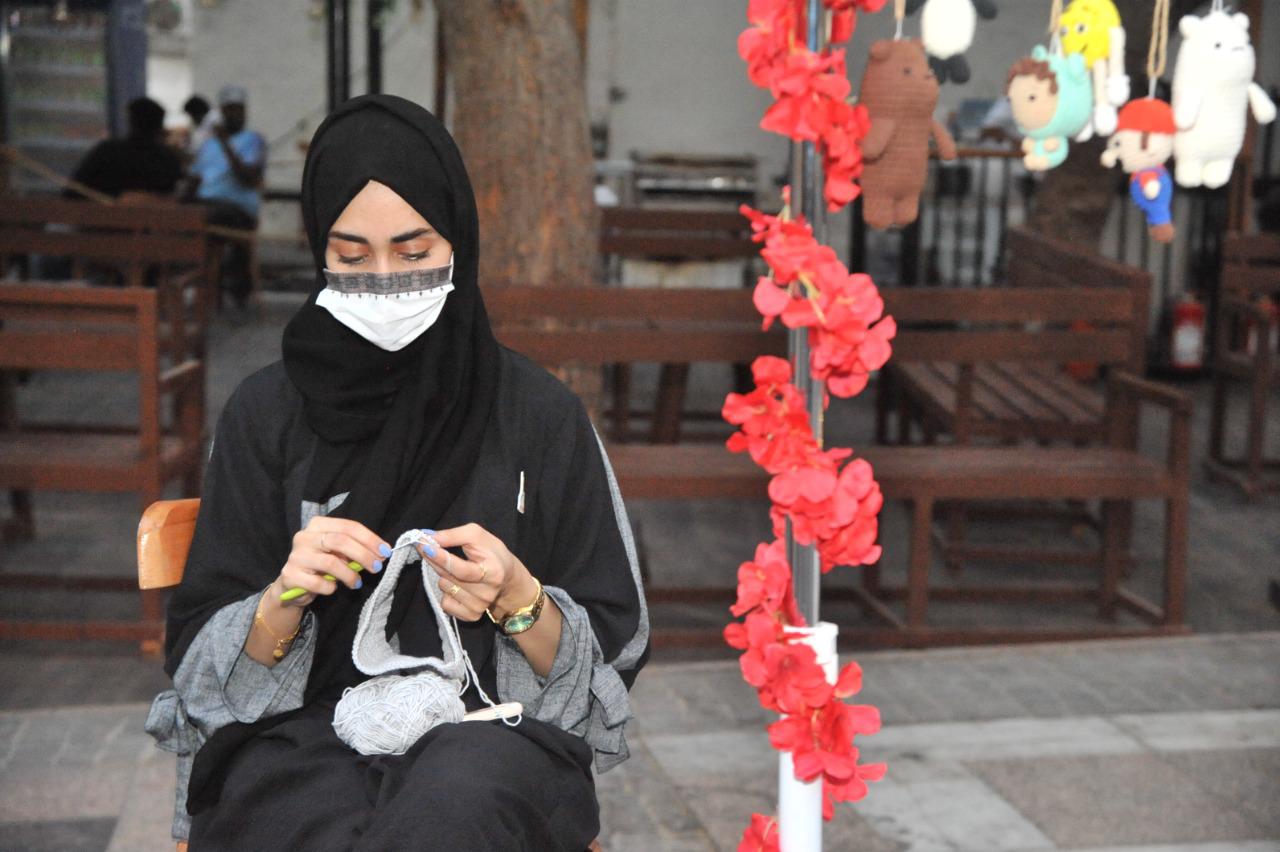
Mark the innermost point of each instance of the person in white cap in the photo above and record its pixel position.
(229, 167)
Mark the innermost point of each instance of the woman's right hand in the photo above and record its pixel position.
(325, 546)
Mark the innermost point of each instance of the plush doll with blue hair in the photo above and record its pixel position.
(1052, 99)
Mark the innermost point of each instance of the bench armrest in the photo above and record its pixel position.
(1126, 390)
(1176, 401)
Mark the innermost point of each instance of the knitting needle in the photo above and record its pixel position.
(290, 594)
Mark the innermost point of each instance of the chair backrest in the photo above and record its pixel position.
(675, 234)
(164, 540)
(1251, 264)
(1036, 260)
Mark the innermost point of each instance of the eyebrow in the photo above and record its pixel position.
(398, 238)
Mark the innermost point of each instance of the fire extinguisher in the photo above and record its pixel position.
(1186, 334)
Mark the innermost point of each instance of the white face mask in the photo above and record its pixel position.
(388, 309)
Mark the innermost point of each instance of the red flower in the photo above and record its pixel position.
(850, 790)
(764, 583)
(761, 835)
(795, 682)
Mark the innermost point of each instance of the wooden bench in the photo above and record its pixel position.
(1007, 399)
(160, 244)
(1244, 354)
(644, 325)
(65, 326)
(669, 235)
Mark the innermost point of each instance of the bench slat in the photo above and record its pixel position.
(60, 350)
(61, 461)
(941, 472)
(640, 345)
(1051, 346)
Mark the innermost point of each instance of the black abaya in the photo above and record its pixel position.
(468, 786)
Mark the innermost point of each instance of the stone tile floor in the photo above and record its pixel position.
(1184, 758)
(1142, 745)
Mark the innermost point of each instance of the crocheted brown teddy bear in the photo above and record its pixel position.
(900, 92)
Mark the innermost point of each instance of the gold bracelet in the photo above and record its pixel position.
(278, 652)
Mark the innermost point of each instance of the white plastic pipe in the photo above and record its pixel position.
(800, 802)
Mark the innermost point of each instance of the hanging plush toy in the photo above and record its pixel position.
(947, 28)
(1051, 101)
(900, 93)
(1142, 144)
(1091, 28)
(1212, 87)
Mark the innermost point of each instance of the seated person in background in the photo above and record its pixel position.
(141, 162)
(204, 119)
(229, 167)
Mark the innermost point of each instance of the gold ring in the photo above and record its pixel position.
(484, 569)
(453, 592)
(322, 547)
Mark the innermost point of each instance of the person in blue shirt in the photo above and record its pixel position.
(229, 167)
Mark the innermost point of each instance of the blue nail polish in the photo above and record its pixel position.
(359, 583)
(384, 550)
(430, 551)
(429, 532)
(377, 566)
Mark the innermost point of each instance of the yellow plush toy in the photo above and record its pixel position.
(1092, 29)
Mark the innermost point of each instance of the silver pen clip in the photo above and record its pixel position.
(520, 496)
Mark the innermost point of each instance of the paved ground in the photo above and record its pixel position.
(1168, 745)
(1143, 745)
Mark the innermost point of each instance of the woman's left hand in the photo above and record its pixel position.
(489, 575)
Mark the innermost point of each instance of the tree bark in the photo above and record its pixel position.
(1074, 198)
(520, 118)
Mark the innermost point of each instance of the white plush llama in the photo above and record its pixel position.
(1212, 87)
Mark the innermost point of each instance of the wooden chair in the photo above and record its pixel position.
(164, 540)
(65, 326)
(1244, 354)
(668, 235)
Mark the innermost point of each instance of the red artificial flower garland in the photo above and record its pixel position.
(831, 500)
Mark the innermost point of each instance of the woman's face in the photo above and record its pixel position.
(379, 232)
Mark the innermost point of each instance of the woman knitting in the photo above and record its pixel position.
(394, 409)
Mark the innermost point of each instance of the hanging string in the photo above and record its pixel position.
(899, 13)
(1055, 17)
(1158, 51)
(1218, 6)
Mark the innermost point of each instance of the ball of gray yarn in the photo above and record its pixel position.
(389, 713)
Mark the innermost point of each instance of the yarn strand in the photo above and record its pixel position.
(1158, 50)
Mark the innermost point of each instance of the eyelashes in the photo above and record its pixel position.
(359, 259)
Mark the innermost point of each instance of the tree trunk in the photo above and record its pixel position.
(520, 118)
(1073, 199)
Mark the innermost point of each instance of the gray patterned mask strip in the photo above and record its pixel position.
(388, 283)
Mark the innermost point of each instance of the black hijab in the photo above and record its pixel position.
(424, 407)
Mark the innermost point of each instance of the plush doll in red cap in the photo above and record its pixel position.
(1143, 143)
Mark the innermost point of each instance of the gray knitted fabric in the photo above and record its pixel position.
(390, 712)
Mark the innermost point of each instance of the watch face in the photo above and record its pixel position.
(518, 623)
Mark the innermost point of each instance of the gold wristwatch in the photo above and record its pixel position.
(520, 620)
